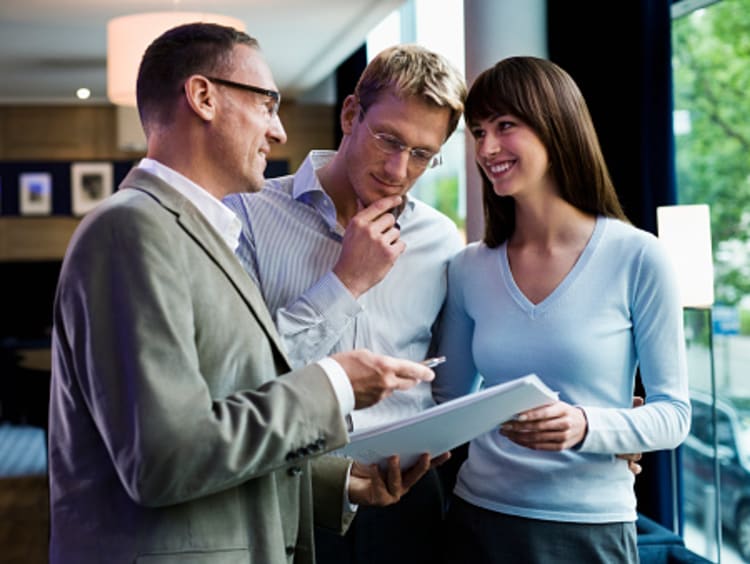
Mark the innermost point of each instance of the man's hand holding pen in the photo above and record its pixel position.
(371, 485)
(375, 376)
(433, 362)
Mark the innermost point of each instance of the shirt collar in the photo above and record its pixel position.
(308, 189)
(306, 178)
(219, 216)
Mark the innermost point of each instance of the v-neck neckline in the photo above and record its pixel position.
(532, 309)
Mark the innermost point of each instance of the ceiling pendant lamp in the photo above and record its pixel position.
(129, 36)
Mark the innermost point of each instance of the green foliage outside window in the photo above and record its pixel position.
(711, 66)
(446, 198)
(745, 322)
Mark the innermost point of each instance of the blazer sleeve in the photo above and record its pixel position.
(329, 474)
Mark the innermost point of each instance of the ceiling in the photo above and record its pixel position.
(49, 48)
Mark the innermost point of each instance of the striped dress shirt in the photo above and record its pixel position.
(289, 244)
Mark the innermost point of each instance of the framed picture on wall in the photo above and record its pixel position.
(90, 183)
(35, 193)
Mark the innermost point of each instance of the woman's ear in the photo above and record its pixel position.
(349, 112)
(200, 96)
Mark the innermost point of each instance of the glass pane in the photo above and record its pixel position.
(422, 21)
(444, 187)
(711, 63)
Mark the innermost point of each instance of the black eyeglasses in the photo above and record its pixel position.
(273, 110)
(391, 145)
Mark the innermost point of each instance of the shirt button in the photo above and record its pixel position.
(289, 550)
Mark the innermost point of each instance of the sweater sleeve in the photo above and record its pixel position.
(458, 375)
(664, 421)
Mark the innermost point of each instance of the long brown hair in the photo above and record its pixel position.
(544, 97)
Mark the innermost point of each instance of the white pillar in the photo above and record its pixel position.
(493, 30)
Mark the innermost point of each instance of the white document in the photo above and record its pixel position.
(447, 425)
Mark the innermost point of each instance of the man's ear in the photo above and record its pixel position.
(200, 96)
(349, 112)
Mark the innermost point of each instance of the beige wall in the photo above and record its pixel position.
(49, 133)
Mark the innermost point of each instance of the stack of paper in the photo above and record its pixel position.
(445, 426)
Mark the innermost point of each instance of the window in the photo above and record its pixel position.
(711, 69)
(422, 21)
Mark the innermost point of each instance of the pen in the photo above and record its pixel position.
(395, 212)
(433, 362)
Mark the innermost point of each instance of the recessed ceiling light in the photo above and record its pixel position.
(83, 93)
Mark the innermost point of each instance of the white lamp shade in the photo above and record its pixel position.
(129, 36)
(686, 233)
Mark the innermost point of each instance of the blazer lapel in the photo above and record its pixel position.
(196, 225)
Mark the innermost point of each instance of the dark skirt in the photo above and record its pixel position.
(477, 535)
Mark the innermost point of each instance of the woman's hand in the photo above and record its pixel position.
(558, 426)
(555, 426)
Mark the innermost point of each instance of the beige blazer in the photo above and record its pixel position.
(177, 431)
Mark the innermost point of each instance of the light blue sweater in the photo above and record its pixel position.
(617, 309)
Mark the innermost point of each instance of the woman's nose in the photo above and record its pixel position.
(489, 145)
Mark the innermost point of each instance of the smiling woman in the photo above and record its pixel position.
(553, 225)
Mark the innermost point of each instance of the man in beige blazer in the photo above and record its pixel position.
(178, 432)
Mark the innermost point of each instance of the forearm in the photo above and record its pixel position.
(312, 325)
(656, 426)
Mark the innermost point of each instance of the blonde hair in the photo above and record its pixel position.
(411, 70)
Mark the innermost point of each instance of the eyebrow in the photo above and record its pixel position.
(403, 142)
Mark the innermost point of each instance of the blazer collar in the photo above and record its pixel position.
(201, 231)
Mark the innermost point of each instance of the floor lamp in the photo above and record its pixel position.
(686, 234)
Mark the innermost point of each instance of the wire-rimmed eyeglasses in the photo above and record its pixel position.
(391, 145)
(275, 97)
